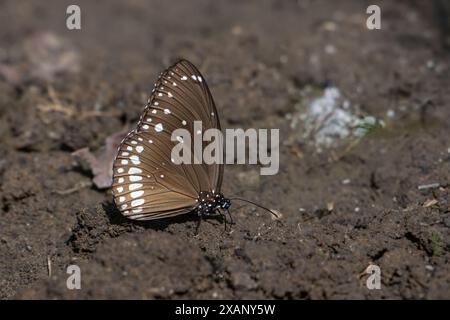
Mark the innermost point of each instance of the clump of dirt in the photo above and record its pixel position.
(383, 199)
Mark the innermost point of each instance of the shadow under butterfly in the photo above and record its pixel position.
(147, 185)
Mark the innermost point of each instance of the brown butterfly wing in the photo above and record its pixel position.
(146, 183)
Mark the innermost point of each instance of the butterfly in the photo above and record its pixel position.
(147, 184)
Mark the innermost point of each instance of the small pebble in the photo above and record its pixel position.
(330, 49)
(390, 113)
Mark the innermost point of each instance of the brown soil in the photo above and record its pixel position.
(63, 90)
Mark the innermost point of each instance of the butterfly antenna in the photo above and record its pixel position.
(275, 213)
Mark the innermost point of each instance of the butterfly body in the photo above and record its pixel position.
(210, 203)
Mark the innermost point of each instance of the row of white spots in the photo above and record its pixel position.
(132, 170)
(169, 94)
(194, 77)
(158, 127)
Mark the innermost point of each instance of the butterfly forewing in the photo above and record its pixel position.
(147, 184)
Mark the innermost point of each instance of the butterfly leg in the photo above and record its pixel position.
(231, 217)
(224, 220)
(198, 223)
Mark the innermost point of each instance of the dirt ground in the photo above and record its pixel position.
(343, 208)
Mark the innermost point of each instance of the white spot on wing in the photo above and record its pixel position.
(134, 170)
(159, 127)
(135, 186)
(137, 202)
(139, 149)
(137, 194)
(135, 178)
(135, 159)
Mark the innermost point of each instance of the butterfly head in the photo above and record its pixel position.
(210, 202)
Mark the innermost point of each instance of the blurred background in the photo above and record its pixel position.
(364, 148)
